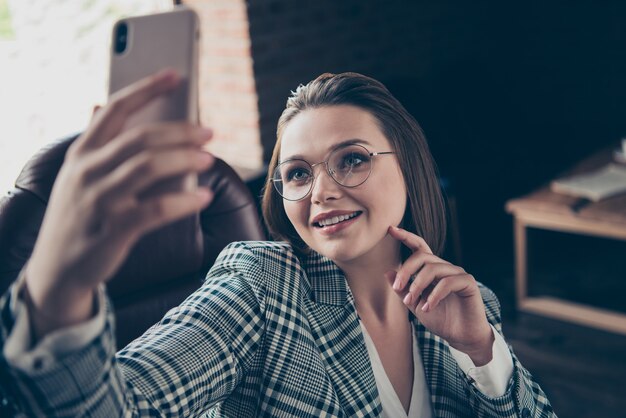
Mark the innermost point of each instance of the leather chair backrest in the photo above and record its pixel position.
(163, 268)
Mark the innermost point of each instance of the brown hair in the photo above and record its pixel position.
(425, 212)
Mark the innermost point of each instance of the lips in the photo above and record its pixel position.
(333, 218)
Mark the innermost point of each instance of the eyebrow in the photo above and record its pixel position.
(336, 146)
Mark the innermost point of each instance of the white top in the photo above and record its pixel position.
(491, 379)
(420, 396)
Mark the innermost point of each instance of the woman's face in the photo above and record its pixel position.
(371, 207)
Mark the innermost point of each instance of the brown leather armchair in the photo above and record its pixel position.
(163, 268)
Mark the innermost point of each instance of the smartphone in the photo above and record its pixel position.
(144, 45)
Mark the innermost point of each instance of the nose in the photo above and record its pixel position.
(324, 187)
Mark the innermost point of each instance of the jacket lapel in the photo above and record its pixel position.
(337, 332)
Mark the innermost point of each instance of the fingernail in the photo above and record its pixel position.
(426, 307)
(206, 133)
(407, 298)
(168, 74)
(204, 195)
(396, 283)
(204, 158)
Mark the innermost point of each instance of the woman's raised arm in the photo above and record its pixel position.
(98, 207)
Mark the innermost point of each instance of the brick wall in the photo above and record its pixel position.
(228, 98)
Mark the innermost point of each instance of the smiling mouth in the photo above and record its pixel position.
(336, 220)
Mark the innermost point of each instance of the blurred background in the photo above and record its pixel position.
(509, 95)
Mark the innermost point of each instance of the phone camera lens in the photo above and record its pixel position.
(121, 37)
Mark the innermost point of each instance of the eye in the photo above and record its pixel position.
(353, 160)
(297, 174)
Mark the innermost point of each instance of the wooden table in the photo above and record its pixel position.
(544, 209)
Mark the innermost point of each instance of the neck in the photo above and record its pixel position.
(373, 295)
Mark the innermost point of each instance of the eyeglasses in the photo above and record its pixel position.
(348, 166)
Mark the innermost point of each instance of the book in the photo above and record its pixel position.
(607, 181)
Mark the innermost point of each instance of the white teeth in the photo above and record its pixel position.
(337, 219)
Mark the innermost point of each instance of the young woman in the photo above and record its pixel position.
(350, 313)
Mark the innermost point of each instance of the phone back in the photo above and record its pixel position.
(144, 45)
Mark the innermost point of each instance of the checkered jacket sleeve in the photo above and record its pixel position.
(523, 393)
(190, 360)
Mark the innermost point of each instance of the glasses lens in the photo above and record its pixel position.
(293, 179)
(350, 166)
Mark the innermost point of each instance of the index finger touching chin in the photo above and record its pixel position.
(411, 240)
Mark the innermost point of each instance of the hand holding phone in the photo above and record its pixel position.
(123, 176)
(96, 211)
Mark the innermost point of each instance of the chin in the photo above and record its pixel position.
(339, 253)
(359, 250)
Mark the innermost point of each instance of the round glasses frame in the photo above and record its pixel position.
(277, 180)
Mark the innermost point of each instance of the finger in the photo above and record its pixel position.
(390, 276)
(413, 241)
(430, 273)
(412, 265)
(461, 284)
(109, 121)
(158, 211)
(165, 209)
(402, 293)
(148, 168)
(159, 136)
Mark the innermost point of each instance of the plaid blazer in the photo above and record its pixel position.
(267, 335)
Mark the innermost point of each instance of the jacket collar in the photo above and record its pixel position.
(327, 282)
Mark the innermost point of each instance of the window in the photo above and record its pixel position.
(54, 69)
